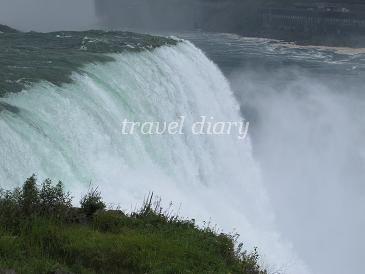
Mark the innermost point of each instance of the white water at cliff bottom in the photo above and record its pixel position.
(73, 133)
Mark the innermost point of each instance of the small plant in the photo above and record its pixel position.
(153, 214)
(92, 202)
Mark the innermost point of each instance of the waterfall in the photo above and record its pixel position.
(73, 133)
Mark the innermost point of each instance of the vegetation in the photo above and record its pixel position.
(92, 202)
(40, 232)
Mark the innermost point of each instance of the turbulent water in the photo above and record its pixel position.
(26, 58)
(306, 107)
(293, 189)
(63, 103)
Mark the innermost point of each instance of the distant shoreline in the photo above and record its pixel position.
(305, 39)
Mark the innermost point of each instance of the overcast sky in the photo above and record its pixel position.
(48, 15)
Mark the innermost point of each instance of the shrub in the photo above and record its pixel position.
(54, 201)
(29, 202)
(29, 198)
(92, 202)
(9, 209)
(152, 213)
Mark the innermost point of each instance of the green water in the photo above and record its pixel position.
(27, 58)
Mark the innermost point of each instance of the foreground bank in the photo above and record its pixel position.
(40, 232)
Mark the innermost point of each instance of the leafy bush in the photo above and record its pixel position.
(54, 201)
(92, 202)
(29, 198)
(9, 208)
(31, 201)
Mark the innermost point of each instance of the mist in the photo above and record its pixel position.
(46, 15)
(308, 138)
(177, 15)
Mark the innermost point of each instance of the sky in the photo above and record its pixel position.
(48, 15)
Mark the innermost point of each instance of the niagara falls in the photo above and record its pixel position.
(195, 136)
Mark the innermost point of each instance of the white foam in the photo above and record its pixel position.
(73, 133)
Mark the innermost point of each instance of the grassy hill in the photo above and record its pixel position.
(40, 232)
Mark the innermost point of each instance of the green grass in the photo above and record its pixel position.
(109, 241)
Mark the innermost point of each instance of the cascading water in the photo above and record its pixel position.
(72, 132)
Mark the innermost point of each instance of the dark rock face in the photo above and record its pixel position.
(7, 29)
